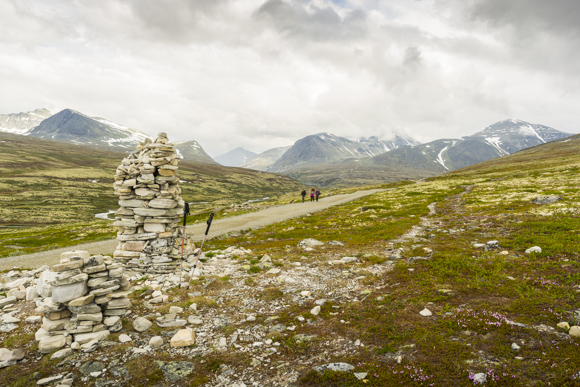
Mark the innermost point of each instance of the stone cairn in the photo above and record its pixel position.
(150, 235)
(83, 299)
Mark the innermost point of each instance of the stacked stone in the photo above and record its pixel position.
(86, 297)
(150, 209)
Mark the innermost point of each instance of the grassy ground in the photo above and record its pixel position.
(482, 301)
(494, 311)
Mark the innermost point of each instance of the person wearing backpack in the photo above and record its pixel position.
(312, 195)
(317, 193)
(303, 193)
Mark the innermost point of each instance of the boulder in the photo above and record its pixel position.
(547, 199)
(338, 367)
(141, 324)
(183, 338)
(174, 371)
(309, 242)
(156, 342)
(535, 249)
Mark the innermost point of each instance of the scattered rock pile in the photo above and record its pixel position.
(82, 299)
(149, 195)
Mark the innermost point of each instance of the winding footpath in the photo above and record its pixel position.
(219, 227)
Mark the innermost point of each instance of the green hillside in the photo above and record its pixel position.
(47, 183)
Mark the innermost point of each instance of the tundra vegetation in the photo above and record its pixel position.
(50, 192)
(418, 245)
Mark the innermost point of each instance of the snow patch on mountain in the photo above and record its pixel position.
(529, 130)
(496, 143)
(440, 157)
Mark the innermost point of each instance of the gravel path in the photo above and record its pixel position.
(219, 227)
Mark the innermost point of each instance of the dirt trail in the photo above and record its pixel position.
(219, 227)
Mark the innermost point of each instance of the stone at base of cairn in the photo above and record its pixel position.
(78, 296)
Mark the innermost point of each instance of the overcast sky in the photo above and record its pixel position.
(264, 73)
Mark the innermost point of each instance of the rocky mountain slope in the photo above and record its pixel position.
(325, 147)
(192, 151)
(76, 128)
(235, 157)
(20, 123)
(429, 159)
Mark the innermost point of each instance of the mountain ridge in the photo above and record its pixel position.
(74, 127)
(325, 147)
(20, 123)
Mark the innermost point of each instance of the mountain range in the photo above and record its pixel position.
(77, 128)
(322, 159)
(423, 160)
(500, 139)
(324, 148)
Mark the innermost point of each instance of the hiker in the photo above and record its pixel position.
(303, 193)
(317, 193)
(312, 195)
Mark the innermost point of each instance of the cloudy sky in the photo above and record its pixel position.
(264, 73)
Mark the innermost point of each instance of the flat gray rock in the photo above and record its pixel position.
(175, 370)
(340, 367)
(91, 366)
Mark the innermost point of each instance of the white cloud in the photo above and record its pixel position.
(264, 73)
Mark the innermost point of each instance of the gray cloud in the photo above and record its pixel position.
(312, 24)
(264, 73)
(530, 16)
(536, 34)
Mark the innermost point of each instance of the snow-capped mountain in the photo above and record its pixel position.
(192, 151)
(510, 136)
(262, 161)
(500, 139)
(235, 157)
(77, 128)
(325, 147)
(20, 123)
